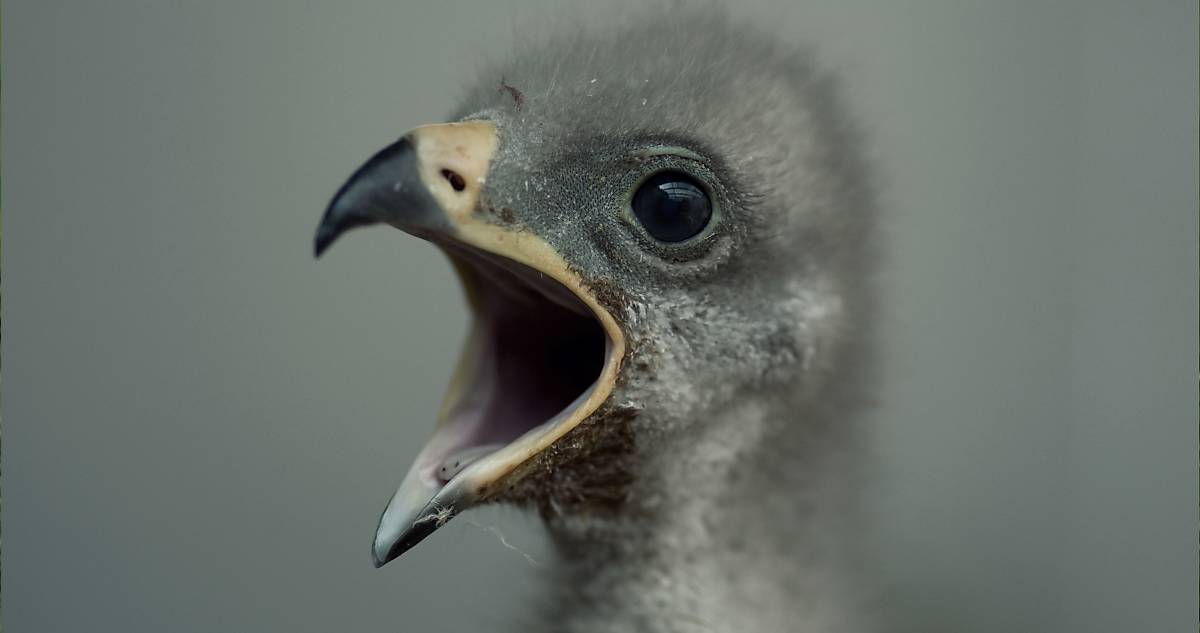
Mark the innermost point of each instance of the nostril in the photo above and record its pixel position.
(456, 180)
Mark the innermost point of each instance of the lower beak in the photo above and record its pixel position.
(429, 184)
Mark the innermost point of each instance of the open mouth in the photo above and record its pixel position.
(534, 356)
(542, 353)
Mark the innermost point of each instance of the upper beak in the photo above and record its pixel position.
(429, 183)
(418, 184)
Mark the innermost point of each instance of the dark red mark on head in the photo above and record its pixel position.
(517, 96)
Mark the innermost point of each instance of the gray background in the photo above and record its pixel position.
(201, 424)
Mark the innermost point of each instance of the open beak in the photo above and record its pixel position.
(542, 353)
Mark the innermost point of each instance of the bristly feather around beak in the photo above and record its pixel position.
(542, 354)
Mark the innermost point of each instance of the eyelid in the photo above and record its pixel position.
(669, 150)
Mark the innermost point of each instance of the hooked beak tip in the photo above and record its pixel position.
(381, 556)
(324, 238)
(406, 541)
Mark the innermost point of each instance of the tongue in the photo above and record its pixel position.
(456, 462)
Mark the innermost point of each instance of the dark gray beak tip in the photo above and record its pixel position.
(385, 189)
(342, 215)
(322, 241)
(327, 234)
(414, 536)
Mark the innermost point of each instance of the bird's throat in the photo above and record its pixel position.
(716, 532)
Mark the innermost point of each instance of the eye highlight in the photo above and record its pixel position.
(672, 206)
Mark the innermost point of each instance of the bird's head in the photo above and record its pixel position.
(650, 222)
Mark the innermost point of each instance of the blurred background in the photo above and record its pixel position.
(201, 423)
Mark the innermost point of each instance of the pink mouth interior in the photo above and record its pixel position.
(537, 350)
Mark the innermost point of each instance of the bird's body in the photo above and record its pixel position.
(706, 482)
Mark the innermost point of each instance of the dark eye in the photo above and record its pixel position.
(672, 206)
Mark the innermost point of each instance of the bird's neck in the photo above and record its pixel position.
(741, 526)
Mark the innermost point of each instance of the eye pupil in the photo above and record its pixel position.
(672, 206)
